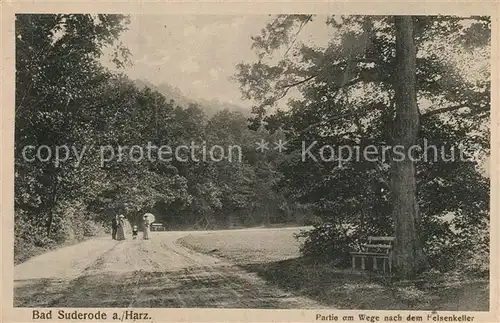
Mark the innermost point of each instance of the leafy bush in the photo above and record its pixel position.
(328, 242)
(477, 262)
(314, 220)
(71, 224)
(29, 239)
(465, 252)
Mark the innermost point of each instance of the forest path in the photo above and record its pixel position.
(143, 273)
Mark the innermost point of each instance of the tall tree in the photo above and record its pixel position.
(408, 250)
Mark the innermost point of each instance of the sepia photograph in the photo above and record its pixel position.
(252, 161)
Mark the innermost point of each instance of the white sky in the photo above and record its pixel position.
(198, 53)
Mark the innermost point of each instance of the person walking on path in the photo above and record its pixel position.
(121, 228)
(114, 227)
(148, 219)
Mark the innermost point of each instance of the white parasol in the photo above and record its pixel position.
(149, 217)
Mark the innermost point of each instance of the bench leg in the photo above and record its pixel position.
(384, 263)
(390, 266)
(374, 263)
(353, 262)
(363, 263)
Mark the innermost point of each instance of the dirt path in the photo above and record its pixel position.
(137, 273)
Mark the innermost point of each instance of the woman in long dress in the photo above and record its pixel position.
(120, 234)
(146, 228)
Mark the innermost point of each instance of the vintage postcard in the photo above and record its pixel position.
(250, 161)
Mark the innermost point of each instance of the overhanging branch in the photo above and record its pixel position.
(454, 108)
(357, 113)
(307, 79)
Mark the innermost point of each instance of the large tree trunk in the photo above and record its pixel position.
(408, 254)
(52, 204)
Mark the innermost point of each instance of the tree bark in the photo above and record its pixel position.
(52, 203)
(408, 255)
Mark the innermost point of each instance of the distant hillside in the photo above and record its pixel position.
(210, 107)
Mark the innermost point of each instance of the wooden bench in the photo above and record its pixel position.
(376, 248)
(157, 227)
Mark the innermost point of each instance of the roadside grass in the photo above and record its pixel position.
(274, 256)
(246, 245)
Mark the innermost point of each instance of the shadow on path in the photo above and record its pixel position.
(190, 287)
